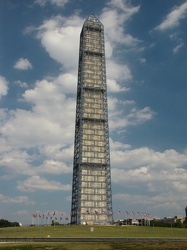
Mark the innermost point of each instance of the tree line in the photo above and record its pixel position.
(6, 223)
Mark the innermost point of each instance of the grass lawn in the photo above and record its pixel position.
(95, 246)
(95, 231)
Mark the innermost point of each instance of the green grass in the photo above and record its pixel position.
(99, 231)
(96, 246)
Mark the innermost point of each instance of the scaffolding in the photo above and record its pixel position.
(91, 186)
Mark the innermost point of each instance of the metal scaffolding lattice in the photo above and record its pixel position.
(91, 187)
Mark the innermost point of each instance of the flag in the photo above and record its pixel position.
(48, 213)
(70, 213)
(79, 212)
(127, 212)
(67, 218)
(54, 213)
(62, 213)
(119, 212)
(112, 212)
(96, 212)
(87, 212)
(132, 213)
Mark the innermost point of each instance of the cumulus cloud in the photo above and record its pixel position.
(118, 71)
(3, 86)
(160, 175)
(42, 124)
(23, 64)
(114, 17)
(36, 183)
(163, 201)
(174, 18)
(60, 38)
(145, 157)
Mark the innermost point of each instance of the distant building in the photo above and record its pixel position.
(91, 187)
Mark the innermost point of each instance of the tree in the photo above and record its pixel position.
(6, 223)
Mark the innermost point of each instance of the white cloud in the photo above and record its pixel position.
(118, 71)
(118, 119)
(60, 38)
(15, 200)
(178, 47)
(164, 201)
(173, 19)
(114, 17)
(3, 86)
(54, 167)
(144, 157)
(59, 3)
(42, 124)
(23, 64)
(160, 175)
(36, 183)
(21, 84)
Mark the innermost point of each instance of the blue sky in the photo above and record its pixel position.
(147, 98)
